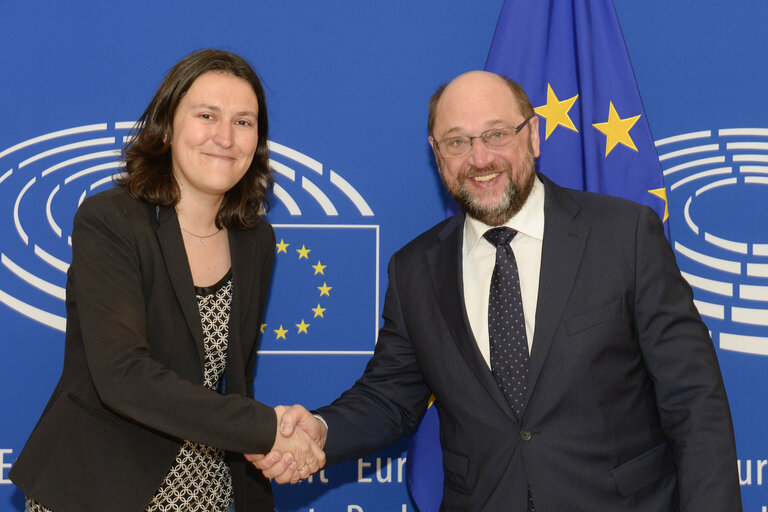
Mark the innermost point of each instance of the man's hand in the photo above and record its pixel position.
(297, 452)
(298, 416)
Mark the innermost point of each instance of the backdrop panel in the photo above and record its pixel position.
(347, 87)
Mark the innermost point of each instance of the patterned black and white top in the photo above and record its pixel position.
(200, 479)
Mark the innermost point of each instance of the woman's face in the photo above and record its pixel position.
(215, 135)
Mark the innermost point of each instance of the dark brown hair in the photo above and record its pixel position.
(148, 171)
(523, 101)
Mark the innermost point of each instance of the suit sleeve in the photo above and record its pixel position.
(681, 359)
(105, 285)
(389, 399)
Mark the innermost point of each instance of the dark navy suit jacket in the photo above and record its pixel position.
(626, 409)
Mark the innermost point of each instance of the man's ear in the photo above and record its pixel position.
(535, 141)
(436, 152)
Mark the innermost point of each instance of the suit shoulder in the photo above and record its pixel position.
(263, 228)
(113, 205)
(605, 208)
(262, 232)
(116, 198)
(433, 235)
(600, 201)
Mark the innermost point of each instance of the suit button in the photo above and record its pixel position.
(525, 435)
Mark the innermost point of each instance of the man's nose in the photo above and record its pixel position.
(479, 153)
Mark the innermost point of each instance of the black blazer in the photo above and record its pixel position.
(131, 389)
(625, 409)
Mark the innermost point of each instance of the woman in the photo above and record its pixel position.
(165, 295)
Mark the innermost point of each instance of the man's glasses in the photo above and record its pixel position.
(495, 138)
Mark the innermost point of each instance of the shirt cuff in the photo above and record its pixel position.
(321, 419)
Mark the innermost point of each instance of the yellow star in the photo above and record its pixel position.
(303, 327)
(325, 289)
(282, 246)
(319, 268)
(319, 311)
(662, 193)
(617, 129)
(261, 329)
(556, 112)
(280, 332)
(303, 252)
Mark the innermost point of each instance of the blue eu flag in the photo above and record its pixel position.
(570, 57)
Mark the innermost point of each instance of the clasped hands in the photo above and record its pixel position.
(298, 449)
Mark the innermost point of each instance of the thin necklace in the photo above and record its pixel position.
(202, 238)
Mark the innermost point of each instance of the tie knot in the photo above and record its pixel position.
(500, 236)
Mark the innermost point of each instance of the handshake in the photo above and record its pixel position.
(298, 449)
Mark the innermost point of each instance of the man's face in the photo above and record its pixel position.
(491, 185)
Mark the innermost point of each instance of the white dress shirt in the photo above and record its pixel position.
(479, 258)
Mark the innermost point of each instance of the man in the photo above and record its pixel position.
(614, 403)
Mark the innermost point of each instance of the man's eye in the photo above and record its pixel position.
(497, 134)
(457, 142)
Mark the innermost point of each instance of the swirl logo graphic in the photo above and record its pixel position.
(719, 181)
(45, 178)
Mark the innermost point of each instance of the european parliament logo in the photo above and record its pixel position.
(324, 297)
(326, 274)
(42, 180)
(718, 181)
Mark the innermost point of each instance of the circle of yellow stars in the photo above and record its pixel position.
(615, 129)
(325, 291)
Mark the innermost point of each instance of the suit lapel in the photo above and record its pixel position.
(242, 254)
(445, 260)
(561, 253)
(177, 266)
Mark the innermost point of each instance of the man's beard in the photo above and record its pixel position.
(512, 200)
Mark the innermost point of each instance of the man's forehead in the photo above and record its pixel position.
(476, 79)
(462, 129)
(477, 99)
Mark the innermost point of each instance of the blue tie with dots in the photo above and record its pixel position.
(506, 323)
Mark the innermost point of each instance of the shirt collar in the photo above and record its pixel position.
(528, 221)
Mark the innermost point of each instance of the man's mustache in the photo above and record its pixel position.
(472, 171)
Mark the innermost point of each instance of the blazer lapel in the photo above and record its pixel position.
(177, 266)
(561, 253)
(445, 262)
(242, 254)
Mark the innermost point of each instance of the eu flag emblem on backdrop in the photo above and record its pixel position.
(570, 57)
(324, 277)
